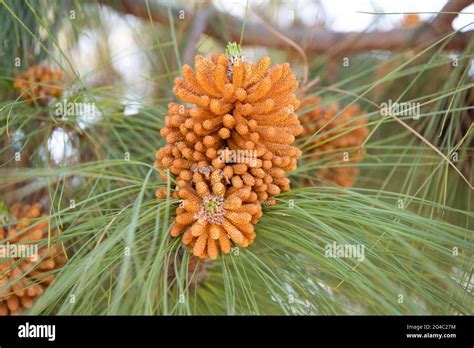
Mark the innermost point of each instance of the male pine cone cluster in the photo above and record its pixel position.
(342, 134)
(38, 84)
(23, 279)
(238, 107)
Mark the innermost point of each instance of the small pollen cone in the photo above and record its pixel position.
(38, 84)
(340, 135)
(411, 20)
(26, 275)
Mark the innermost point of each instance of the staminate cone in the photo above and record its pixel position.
(212, 216)
(411, 20)
(342, 132)
(239, 106)
(229, 150)
(23, 279)
(38, 84)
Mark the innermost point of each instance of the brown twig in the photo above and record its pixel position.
(318, 40)
(198, 27)
(444, 20)
(292, 44)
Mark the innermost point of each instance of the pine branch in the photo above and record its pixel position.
(316, 40)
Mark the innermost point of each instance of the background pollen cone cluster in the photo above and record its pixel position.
(38, 84)
(344, 131)
(239, 108)
(22, 280)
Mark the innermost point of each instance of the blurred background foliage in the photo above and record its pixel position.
(94, 172)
